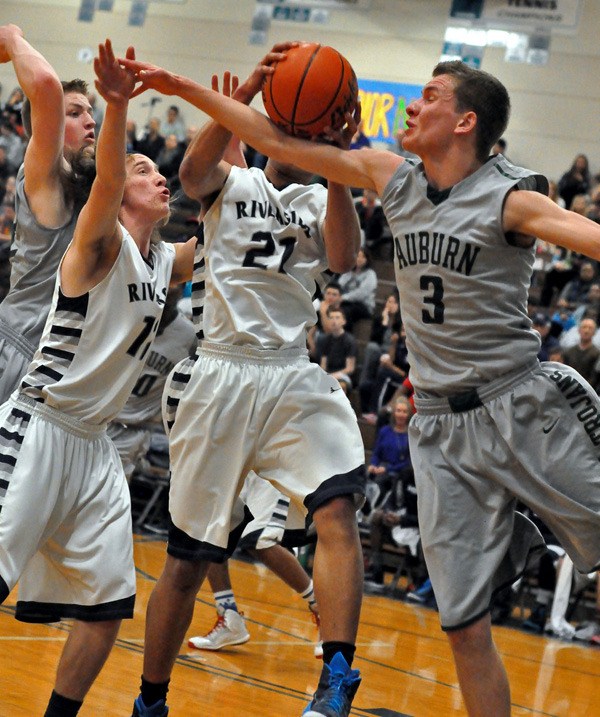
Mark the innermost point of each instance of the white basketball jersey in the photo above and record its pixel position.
(463, 282)
(175, 343)
(265, 255)
(94, 347)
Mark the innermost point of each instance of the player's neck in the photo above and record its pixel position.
(141, 231)
(449, 168)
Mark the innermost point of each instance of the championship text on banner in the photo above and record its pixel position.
(384, 107)
(541, 14)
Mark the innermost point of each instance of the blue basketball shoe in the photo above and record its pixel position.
(159, 709)
(335, 698)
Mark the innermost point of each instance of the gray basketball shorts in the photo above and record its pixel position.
(532, 436)
(132, 443)
(273, 412)
(65, 517)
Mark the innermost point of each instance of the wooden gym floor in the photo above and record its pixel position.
(402, 655)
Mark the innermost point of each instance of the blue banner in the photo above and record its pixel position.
(384, 107)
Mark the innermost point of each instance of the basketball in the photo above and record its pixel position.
(311, 89)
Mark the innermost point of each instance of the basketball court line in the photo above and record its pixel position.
(199, 663)
(360, 658)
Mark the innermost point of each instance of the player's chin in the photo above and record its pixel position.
(166, 215)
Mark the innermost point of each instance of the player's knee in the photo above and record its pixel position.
(184, 575)
(337, 515)
(475, 637)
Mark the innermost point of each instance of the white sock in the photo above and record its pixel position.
(309, 596)
(225, 600)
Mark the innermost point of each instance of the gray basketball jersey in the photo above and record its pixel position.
(264, 255)
(463, 285)
(94, 347)
(175, 343)
(36, 252)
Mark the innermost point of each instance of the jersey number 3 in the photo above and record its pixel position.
(267, 249)
(435, 293)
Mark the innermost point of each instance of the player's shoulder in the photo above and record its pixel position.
(520, 177)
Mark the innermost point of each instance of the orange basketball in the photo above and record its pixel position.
(311, 89)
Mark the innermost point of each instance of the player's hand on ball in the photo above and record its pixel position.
(343, 137)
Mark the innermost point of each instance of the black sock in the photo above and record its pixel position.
(329, 650)
(152, 692)
(59, 706)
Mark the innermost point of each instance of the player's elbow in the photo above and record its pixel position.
(187, 177)
(46, 88)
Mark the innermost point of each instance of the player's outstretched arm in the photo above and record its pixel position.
(366, 169)
(200, 173)
(97, 238)
(536, 215)
(44, 154)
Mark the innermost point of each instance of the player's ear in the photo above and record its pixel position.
(467, 122)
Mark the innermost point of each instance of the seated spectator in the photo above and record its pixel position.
(338, 357)
(132, 140)
(152, 140)
(11, 113)
(562, 319)
(372, 219)
(564, 266)
(392, 371)
(359, 287)
(575, 292)
(6, 168)
(173, 124)
(542, 324)
(583, 357)
(7, 219)
(404, 390)
(170, 157)
(383, 327)
(391, 453)
(14, 145)
(10, 189)
(591, 306)
(576, 180)
(332, 298)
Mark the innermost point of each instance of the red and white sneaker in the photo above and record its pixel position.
(229, 629)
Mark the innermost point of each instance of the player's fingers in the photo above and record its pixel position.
(110, 55)
(227, 83)
(138, 90)
(102, 54)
